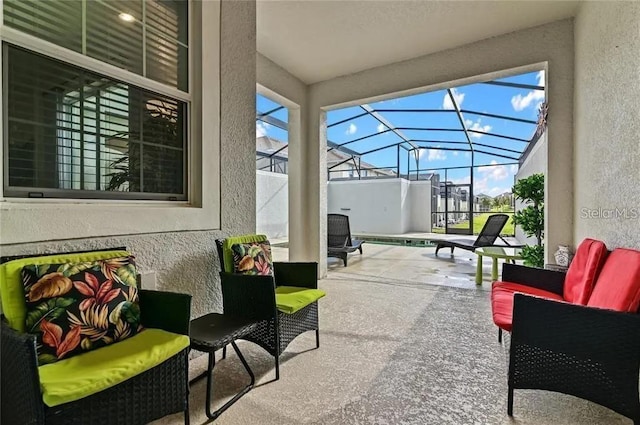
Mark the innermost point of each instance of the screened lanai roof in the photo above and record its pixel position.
(488, 123)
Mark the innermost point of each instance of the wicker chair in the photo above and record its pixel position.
(590, 351)
(254, 297)
(158, 392)
(339, 242)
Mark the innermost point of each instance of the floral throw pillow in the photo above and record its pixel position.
(77, 307)
(252, 258)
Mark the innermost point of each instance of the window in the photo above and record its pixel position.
(74, 133)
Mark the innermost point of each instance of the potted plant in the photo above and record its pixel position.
(530, 191)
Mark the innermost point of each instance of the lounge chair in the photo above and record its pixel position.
(339, 242)
(487, 237)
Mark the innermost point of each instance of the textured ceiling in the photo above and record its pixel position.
(317, 40)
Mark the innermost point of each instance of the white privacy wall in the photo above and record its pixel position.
(272, 204)
(536, 162)
(392, 206)
(420, 206)
(607, 123)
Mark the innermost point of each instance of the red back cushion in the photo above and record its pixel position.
(618, 286)
(584, 270)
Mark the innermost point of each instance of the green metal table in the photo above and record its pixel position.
(495, 252)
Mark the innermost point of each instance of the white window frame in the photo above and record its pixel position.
(80, 60)
(26, 219)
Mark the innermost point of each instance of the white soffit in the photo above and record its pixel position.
(317, 40)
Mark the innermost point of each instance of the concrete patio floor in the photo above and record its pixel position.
(406, 338)
(419, 265)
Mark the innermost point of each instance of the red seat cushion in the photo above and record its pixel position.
(583, 271)
(618, 286)
(502, 300)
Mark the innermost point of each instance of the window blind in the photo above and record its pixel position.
(153, 43)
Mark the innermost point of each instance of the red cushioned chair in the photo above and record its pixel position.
(590, 351)
(574, 286)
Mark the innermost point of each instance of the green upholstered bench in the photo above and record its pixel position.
(134, 380)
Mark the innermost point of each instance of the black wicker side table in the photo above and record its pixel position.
(212, 332)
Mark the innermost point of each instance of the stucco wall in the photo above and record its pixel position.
(185, 261)
(277, 83)
(607, 105)
(372, 206)
(420, 207)
(272, 201)
(393, 206)
(536, 162)
(405, 205)
(548, 47)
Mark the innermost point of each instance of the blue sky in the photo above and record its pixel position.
(499, 100)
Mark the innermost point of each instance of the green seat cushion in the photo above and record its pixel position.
(12, 289)
(290, 299)
(229, 242)
(89, 373)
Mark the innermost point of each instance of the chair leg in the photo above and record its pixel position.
(499, 335)
(224, 352)
(210, 366)
(317, 338)
(246, 389)
(438, 246)
(452, 248)
(344, 259)
(186, 410)
(277, 366)
(360, 249)
(510, 401)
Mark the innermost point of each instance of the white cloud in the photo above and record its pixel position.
(261, 128)
(483, 185)
(541, 78)
(446, 101)
(513, 168)
(534, 97)
(351, 129)
(434, 154)
(494, 172)
(471, 125)
(455, 153)
(381, 128)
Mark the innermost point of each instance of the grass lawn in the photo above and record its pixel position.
(479, 221)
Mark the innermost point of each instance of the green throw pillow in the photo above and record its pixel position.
(252, 258)
(77, 307)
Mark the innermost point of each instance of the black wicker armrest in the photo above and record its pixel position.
(548, 280)
(566, 327)
(304, 275)
(584, 351)
(248, 296)
(169, 311)
(21, 397)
